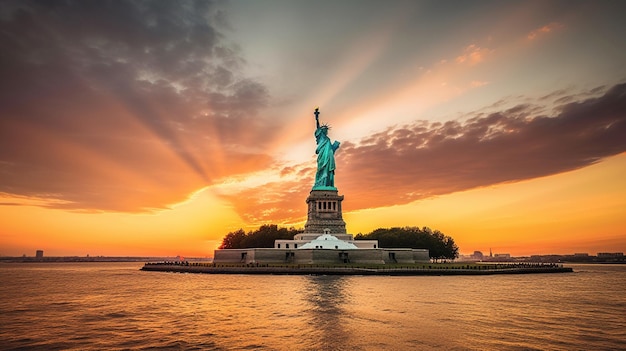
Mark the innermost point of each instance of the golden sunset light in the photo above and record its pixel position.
(312, 175)
(158, 132)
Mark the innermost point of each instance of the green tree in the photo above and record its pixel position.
(263, 237)
(439, 245)
(233, 240)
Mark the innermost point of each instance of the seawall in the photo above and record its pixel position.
(351, 270)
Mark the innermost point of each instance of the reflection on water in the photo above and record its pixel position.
(326, 314)
(115, 306)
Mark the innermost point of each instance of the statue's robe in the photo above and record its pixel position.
(325, 151)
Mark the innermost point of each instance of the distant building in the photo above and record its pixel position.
(477, 255)
(39, 254)
(503, 255)
(610, 255)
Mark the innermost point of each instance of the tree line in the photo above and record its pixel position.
(440, 246)
(262, 237)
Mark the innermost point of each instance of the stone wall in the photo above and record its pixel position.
(397, 255)
(259, 255)
(230, 255)
(317, 256)
(421, 255)
(273, 256)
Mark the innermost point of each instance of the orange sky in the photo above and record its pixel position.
(578, 211)
(157, 133)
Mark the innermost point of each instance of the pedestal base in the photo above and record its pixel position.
(324, 213)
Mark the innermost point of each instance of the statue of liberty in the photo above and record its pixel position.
(325, 175)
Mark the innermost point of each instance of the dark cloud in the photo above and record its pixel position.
(422, 160)
(90, 87)
(414, 162)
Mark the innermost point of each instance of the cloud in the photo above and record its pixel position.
(473, 55)
(478, 83)
(422, 160)
(544, 30)
(123, 105)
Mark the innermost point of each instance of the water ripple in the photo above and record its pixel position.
(115, 306)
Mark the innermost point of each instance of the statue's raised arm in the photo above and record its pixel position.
(325, 175)
(317, 117)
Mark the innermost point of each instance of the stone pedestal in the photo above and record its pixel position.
(324, 213)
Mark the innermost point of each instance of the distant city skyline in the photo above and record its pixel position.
(40, 254)
(154, 128)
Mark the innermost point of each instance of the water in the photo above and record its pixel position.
(97, 306)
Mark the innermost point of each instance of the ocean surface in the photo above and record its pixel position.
(109, 306)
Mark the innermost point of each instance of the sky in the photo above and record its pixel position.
(154, 128)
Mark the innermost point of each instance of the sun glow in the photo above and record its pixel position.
(540, 216)
(192, 228)
(152, 144)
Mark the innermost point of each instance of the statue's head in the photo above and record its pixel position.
(325, 127)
